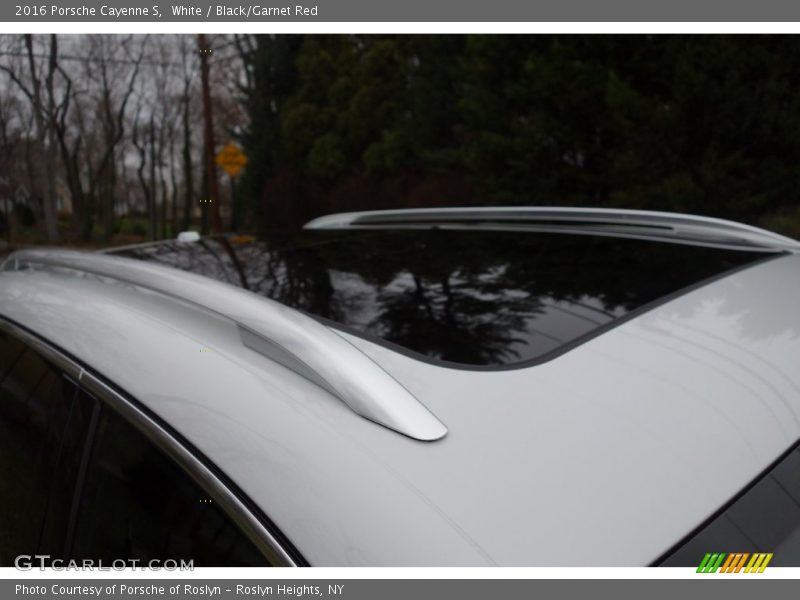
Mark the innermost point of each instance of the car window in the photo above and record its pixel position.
(10, 350)
(35, 404)
(63, 498)
(766, 518)
(138, 504)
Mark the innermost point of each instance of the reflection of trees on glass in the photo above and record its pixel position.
(451, 302)
(455, 318)
(301, 279)
(471, 297)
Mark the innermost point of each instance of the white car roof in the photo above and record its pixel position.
(606, 455)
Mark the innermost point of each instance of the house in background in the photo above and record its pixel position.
(9, 196)
(63, 198)
(12, 194)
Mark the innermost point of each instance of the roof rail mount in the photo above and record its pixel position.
(285, 335)
(600, 221)
(188, 236)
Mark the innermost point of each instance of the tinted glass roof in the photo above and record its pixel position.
(478, 298)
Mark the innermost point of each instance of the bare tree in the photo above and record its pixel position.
(212, 185)
(167, 111)
(97, 112)
(38, 85)
(15, 130)
(90, 125)
(111, 110)
(188, 75)
(140, 140)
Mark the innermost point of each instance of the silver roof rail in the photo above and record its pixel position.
(287, 336)
(602, 221)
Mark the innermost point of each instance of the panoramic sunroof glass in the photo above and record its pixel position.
(477, 298)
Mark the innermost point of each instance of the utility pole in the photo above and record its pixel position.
(208, 120)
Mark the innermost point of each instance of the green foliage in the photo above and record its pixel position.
(135, 226)
(704, 124)
(326, 159)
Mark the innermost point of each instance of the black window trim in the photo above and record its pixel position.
(255, 525)
(563, 348)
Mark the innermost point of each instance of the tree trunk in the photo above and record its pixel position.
(208, 119)
(187, 165)
(151, 209)
(45, 139)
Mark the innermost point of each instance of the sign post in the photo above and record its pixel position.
(232, 160)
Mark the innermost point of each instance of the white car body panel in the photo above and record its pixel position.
(605, 455)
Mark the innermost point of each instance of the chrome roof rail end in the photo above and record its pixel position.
(285, 335)
(606, 221)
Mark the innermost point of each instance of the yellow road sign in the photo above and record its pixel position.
(231, 159)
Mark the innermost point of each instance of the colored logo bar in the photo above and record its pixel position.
(734, 562)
